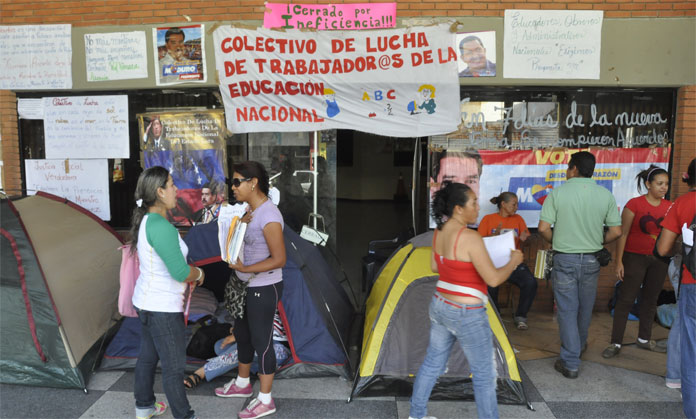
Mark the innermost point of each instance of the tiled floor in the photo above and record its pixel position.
(599, 392)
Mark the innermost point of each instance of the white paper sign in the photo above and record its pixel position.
(499, 247)
(30, 108)
(552, 44)
(86, 127)
(116, 56)
(395, 82)
(687, 235)
(36, 57)
(85, 182)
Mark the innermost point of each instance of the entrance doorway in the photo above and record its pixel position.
(373, 195)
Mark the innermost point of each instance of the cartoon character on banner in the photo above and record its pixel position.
(332, 108)
(427, 92)
(427, 95)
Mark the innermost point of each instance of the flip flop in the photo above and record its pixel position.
(192, 381)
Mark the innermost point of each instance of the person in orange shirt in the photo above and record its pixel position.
(503, 221)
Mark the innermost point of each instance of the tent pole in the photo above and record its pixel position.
(315, 173)
(414, 180)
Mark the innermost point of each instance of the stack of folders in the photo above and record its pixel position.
(231, 237)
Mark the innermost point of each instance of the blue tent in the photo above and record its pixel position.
(315, 309)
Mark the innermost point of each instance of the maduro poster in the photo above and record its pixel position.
(179, 54)
(191, 146)
(532, 174)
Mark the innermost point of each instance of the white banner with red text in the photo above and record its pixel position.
(396, 82)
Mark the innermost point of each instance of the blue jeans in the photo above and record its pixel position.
(226, 360)
(523, 278)
(574, 278)
(673, 374)
(687, 314)
(162, 339)
(469, 326)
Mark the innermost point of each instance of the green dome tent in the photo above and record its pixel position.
(59, 283)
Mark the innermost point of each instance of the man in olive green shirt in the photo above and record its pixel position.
(579, 209)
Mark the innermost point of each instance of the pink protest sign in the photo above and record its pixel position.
(330, 17)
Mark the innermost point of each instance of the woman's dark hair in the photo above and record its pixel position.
(446, 198)
(690, 176)
(254, 169)
(149, 181)
(648, 175)
(503, 197)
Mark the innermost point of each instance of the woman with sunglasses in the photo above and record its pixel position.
(263, 259)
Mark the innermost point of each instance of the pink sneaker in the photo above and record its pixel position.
(256, 409)
(232, 390)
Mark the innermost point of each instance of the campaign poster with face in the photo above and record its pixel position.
(179, 54)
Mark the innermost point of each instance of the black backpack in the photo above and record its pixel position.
(207, 331)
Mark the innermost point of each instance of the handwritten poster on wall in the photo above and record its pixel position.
(552, 44)
(395, 82)
(116, 56)
(85, 182)
(330, 17)
(35, 57)
(86, 127)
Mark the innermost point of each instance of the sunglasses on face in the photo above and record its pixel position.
(237, 182)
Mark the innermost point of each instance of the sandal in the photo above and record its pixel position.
(521, 325)
(192, 381)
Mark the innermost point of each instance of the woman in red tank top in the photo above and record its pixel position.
(457, 310)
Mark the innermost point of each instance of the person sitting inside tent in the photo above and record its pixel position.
(227, 358)
(457, 309)
(500, 222)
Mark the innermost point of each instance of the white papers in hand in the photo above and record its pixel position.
(687, 235)
(230, 238)
(235, 245)
(499, 247)
(227, 219)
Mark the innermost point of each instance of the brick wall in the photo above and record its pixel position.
(133, 12)
(11, 173)
(684, 138)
